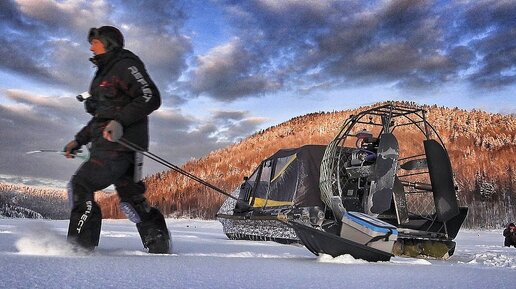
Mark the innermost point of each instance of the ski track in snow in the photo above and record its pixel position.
(200, 247)
(494, 259)
(41, 239)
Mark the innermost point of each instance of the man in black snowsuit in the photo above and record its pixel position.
(122, 95)
(510, 235)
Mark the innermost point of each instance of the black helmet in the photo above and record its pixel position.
(110, 36)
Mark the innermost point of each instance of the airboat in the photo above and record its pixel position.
(383, 187)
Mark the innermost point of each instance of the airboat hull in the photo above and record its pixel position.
(321, 242)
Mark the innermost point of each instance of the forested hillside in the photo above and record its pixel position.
(481, 145)
(36, 202)
(32, 202)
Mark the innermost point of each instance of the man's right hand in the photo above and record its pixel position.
(70, 149)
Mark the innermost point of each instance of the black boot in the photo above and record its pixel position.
(154, 233)
(157, 241)
(84, 227)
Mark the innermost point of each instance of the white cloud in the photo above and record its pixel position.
(285, 5)
(81, 14)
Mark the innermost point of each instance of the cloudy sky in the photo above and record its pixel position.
(229, 68)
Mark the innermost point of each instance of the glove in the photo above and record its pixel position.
(113, 131)
(90, 105)
(71, 148)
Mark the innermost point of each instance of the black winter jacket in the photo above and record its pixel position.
(123, 91)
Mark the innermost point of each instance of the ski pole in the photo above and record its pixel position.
(171, 166)
(78, 153)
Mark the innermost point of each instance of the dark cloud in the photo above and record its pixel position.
(229, 115)
(20, 61)
(234, 125)
(46, 40)
(21, 48)
(493, 24)
(156, 15)
(236, 131)
(412, 44)
(63, 110)
(31, 122)
(229, 72)
(153, 31)
(276, 45)
(42, 41)
(485, 14)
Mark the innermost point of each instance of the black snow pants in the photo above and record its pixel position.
(100, 171)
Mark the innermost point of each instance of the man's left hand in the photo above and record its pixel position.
(113, 131)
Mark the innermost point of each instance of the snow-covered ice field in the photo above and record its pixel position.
(34, 254)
